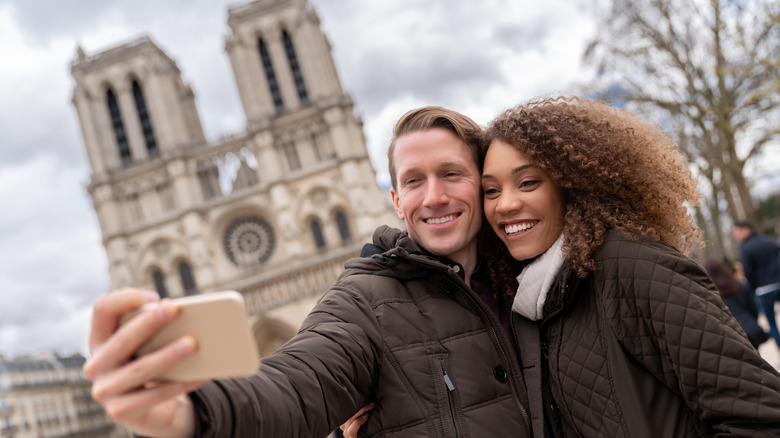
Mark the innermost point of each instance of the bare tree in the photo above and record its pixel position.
(708, 71)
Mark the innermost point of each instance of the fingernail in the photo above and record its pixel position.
(186, 346)
(150, 296)
(164, 311)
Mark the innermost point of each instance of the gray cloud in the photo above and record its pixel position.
(389, 54)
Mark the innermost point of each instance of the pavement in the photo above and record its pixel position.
(769, 349)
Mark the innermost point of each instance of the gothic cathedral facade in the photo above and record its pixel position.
(273, 212)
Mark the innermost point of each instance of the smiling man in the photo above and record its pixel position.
(436, 192)
(411, 326)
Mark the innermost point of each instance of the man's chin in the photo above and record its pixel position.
(442, 249)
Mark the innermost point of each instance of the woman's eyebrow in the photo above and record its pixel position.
(515, 171)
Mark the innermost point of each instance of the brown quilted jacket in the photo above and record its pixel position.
(399, 328)
(645, 347)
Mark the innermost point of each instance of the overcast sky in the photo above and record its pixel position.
(476, 57)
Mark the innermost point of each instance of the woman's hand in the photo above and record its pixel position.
(126, 386)
(351, 426)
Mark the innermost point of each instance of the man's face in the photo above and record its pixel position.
(438, 193)
(740, 233)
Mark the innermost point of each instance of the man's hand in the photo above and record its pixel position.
(127, 387)
(351, 426)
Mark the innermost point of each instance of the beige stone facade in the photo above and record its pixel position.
(47, 395)
(273, 211)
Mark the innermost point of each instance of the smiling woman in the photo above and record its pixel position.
(592, 208)
(522, 204)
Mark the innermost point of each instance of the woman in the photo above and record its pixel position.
(739, 298)
(593, 208)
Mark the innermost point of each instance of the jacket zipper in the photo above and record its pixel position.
(450, 404)
(516, 390)
(523, 411)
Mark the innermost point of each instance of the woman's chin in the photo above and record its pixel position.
(521, 254)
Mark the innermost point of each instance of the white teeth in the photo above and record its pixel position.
(518, 228)
(440, 220)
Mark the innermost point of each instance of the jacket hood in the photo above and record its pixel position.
(402, 258)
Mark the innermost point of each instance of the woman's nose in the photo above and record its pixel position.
(507, 202)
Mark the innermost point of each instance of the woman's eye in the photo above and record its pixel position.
(490, 191)
(527, 184)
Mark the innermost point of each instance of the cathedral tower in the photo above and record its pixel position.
(273, 211)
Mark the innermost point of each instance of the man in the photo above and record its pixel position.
(413, 328)
(760, 257)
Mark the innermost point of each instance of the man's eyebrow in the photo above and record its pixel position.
(515, 171)
(440, 166)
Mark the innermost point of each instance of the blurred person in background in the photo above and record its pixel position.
(739, 298)
(760, 258)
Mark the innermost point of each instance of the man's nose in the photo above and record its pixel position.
(436, 193)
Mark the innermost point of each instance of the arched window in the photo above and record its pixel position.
(187, 280)
(273, 85)
(146, 123)
(159, 283)
(291, 152)
(296, 69)
(119, 128)
(316, 231)
(343, 224)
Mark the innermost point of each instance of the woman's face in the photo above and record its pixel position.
(523, 205)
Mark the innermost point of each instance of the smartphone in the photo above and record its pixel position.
(219, 322)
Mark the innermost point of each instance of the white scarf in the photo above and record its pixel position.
(535, 280)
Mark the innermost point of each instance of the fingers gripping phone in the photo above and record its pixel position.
(219, 322)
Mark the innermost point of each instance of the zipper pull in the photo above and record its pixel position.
(447, 381)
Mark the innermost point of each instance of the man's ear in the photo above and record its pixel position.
(397, 204)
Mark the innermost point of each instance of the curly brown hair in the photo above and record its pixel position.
(615, 172)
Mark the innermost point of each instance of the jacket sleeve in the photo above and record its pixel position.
(307, 388)
(673, 322)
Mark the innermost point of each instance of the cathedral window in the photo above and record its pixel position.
(208, 175)
(187, 280)
(316, 232)
(158, 278)
(273, 85)
(315, 144)
(292, 156)
(146, 123)
(119, 128)
(295, 68)
(167, 202)
(343, 224)
(134, 205)
(249, 241)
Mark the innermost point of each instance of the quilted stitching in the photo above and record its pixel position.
(672, 326)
